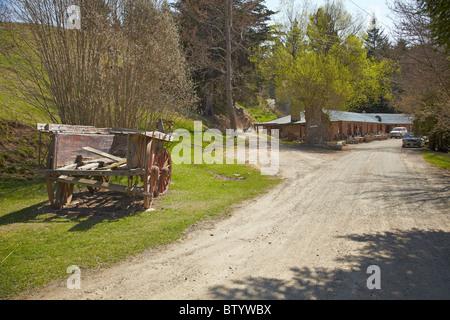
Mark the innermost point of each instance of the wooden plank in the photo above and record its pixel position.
(103, 154)
(114, 165)
(123, 130)
(118, 173)
(49, 127)
(157, 135)
(104, 185)
(89, 166)
(104, 160)
(66, 127)
(69, 167)
(82, 165)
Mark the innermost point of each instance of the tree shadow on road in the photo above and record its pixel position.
(413, 265)
(388, 190)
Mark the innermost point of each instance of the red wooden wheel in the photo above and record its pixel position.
(150, 177)
(164, 162)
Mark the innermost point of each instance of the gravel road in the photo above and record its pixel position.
(312, 237)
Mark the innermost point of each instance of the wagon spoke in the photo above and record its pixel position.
(165, 165)
(59, 193)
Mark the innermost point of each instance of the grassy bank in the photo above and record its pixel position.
(438, 159)
(37, 243)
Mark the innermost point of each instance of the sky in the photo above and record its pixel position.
(364, 8)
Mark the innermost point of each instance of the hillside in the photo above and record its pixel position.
(19, 148)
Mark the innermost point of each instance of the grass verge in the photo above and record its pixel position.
(38, 243)
(438, 159)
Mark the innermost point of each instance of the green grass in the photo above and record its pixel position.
(37, 243)
(15, 57)
(438, 159)
(260, 112)
(262, 115)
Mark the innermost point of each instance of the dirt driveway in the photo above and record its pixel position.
(312, 237)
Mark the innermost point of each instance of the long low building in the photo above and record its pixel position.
(343, 124)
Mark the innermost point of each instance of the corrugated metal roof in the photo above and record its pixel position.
(393, 118)
(335, 115)
(348, 116)
(283, 120)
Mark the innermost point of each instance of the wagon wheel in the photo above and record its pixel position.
(149, 184)
(98, 178)
(59, 193)
(150, 177)
(164, 162)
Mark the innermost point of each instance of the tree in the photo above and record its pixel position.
(378, 48)
(377, 43)
(425, 73)
(330, 70)
(287, 39)
(3, 11)
(123, 67)
(439, 13)
(229, 71)
(217, 36)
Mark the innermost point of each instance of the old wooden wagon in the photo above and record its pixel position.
(89, 156)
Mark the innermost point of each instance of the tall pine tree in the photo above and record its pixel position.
(439, 13)
(377, 43)
(378, 48)
(204, 25)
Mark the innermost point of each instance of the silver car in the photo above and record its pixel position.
(410, 140)
(398, 132)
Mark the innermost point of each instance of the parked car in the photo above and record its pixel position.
(398, 132)
(411, 140)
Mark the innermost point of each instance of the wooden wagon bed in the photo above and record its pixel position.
(89, 156)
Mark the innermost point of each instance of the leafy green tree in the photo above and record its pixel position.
(378, 48)
(330, 70)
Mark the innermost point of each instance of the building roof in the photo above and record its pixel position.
(283, 120)
(393, 118)
(335, 115)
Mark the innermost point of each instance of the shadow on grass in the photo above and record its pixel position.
(102, 206)
(413, 265)
(24, 215)
(86, 208)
